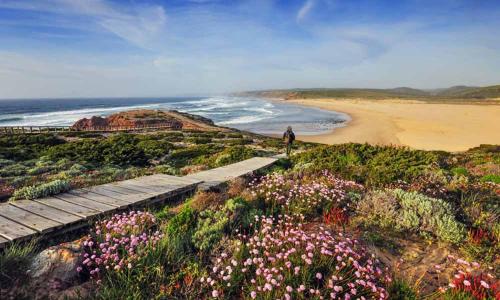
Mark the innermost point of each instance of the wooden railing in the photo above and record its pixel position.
(49, 129)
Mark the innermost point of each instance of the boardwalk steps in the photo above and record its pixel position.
(214, 177)
(24, 219)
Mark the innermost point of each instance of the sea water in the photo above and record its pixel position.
(245, 113)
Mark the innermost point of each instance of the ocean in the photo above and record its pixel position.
(245, 113)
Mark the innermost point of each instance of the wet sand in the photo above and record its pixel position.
(417, 124)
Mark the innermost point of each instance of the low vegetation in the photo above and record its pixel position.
(33, 166)
(412, 212)
(339, 222)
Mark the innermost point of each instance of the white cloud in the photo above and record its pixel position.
(217, 48)
(305, 9)
(137, 24)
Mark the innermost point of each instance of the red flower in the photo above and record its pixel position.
(480, 286)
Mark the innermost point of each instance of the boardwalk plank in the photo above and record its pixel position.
(165, 184)
(75, 209)
(47, 211)
(113, 193)
(158, 189)
(128, 191)
(160, 185)
(171, 178)
(116, 202)
(214, 177)
(28, 219)
(85, 202)
(13, 231)
(137, 187)
(119, 194)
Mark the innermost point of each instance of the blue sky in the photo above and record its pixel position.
(93, 48)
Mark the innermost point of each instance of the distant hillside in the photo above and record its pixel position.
(452, 93)
(451, 90)
(478, 92)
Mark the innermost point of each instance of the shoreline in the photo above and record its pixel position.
(412, 123)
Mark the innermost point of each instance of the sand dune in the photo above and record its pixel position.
(417, 124)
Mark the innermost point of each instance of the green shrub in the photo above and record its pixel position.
(199, 140)
(13, 170)
(379, 208)
(491, 178)
(76, 169)
(460, 171)
(167, 169)
(184, 156)
(19, 181)
(5, 162)
(229, 155)
(201, 134)
(273, 143)
(88, 150)
(63, 163)
(401, 290)
(234, 135)
(23, 147)
(42, 190)
(241, 142)
(210, 229)
(14, 261)
(372, 165)
(213, 224)
(411, 211)
(121, 149)
(181, 228)
(37, 170)
(81, 134)
(155, 149)
(170, 136)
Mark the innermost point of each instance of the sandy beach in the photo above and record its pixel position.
(417, 124)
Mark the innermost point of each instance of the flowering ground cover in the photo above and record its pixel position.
(470, 281)
(305, 232)
(116, 243)
(304, 194)
(283, 260)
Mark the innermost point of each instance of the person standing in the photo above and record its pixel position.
(288, 137)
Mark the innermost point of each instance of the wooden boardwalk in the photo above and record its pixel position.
(10, 130)
(25, 219)
(217, 176)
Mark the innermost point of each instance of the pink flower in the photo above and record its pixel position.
(319, 276)
(466, 283)
(215, 293)
(484, 284)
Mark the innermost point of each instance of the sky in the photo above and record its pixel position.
(153, 48)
